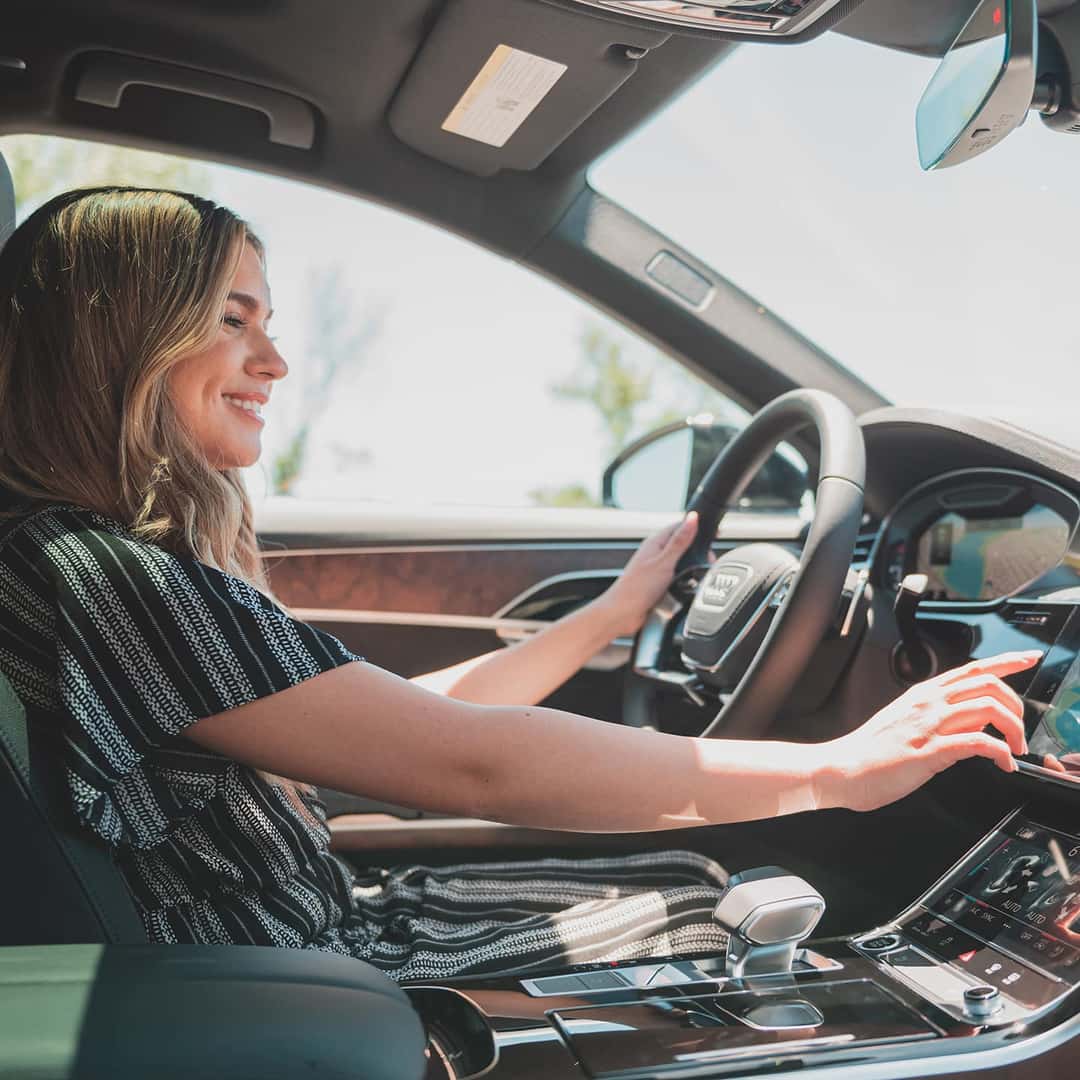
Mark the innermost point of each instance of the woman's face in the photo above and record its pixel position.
(220, 392)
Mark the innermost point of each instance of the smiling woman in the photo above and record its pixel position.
(121, 450)
(139, 630)
(219, 392)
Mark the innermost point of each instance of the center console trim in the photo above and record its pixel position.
(949, 1061)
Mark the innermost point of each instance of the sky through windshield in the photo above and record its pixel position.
(793, 172)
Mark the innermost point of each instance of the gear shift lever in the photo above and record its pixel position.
(767, 912)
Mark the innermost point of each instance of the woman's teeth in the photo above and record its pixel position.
(246, 404)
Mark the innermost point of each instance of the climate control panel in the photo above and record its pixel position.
(998, 938)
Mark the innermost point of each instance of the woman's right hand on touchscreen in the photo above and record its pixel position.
(931, 726)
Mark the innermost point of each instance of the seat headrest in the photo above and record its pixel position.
(7, 202)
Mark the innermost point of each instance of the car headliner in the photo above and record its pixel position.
(348, 59)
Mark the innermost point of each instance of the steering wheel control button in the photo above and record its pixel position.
(881, 943)
(982, 1001)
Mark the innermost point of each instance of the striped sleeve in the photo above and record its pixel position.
(147, 643)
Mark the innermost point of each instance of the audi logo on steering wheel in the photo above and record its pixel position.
(720, 586)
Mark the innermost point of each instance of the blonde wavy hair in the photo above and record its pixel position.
(102, 292)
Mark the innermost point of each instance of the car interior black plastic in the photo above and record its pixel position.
(106, 76)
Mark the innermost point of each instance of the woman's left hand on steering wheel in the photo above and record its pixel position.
(642, 584)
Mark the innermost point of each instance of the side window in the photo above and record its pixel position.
(422, 367)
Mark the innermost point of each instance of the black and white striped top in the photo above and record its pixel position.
(118, 646)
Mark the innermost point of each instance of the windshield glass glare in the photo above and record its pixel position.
(793, 171)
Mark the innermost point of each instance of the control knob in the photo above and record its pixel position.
(981, 1001)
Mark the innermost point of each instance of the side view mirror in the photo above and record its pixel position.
(983, 87)
(661, 470)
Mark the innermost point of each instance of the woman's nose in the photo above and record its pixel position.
(268, 361)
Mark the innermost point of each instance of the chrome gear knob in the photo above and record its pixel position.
(766, 911)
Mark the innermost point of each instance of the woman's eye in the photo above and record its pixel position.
(234, 321)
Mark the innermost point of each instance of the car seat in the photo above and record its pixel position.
(60, 886)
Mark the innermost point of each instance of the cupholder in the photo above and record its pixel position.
(461, 1044)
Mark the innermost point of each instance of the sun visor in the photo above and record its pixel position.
(499, 84)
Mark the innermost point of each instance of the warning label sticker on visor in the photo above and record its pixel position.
(507, 88)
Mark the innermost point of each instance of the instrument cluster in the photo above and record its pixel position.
(981, 535)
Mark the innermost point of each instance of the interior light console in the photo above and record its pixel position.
(779, 18)
(997, 939)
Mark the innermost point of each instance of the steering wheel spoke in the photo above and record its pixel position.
(685, 681)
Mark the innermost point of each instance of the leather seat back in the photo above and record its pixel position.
(57, 885)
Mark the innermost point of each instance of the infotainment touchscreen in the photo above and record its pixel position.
(1058, 733)
(1052, 705)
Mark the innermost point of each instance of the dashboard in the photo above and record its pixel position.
(991, 516)
(998, 551)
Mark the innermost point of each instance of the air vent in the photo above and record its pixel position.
(864, 542)
(767, 17)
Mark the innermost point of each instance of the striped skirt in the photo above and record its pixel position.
(424, 922)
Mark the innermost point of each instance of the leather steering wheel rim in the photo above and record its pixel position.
(810, 605)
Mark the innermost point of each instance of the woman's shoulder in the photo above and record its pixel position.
(72, 538)
(47, 523)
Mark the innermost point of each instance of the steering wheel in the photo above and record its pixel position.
(749, 623)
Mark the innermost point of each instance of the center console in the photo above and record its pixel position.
(998, 938)
(985, 962)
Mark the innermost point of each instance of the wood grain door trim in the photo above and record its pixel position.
(510, 627)
(384, 832)
(466, 580)
(509, 631)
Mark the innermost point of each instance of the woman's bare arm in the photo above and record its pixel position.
(360, 729)
(529, 671)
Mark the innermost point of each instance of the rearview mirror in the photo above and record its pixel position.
(661, 470)
(983, 86)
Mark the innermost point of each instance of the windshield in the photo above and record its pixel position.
(793, 172)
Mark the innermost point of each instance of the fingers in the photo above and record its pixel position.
(678, 537)
(973, 715)
(953, 748)
(675, 532)
(687, 528)
(985, 686)
(1003, 664)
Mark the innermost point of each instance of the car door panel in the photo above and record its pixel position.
(417, 590)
